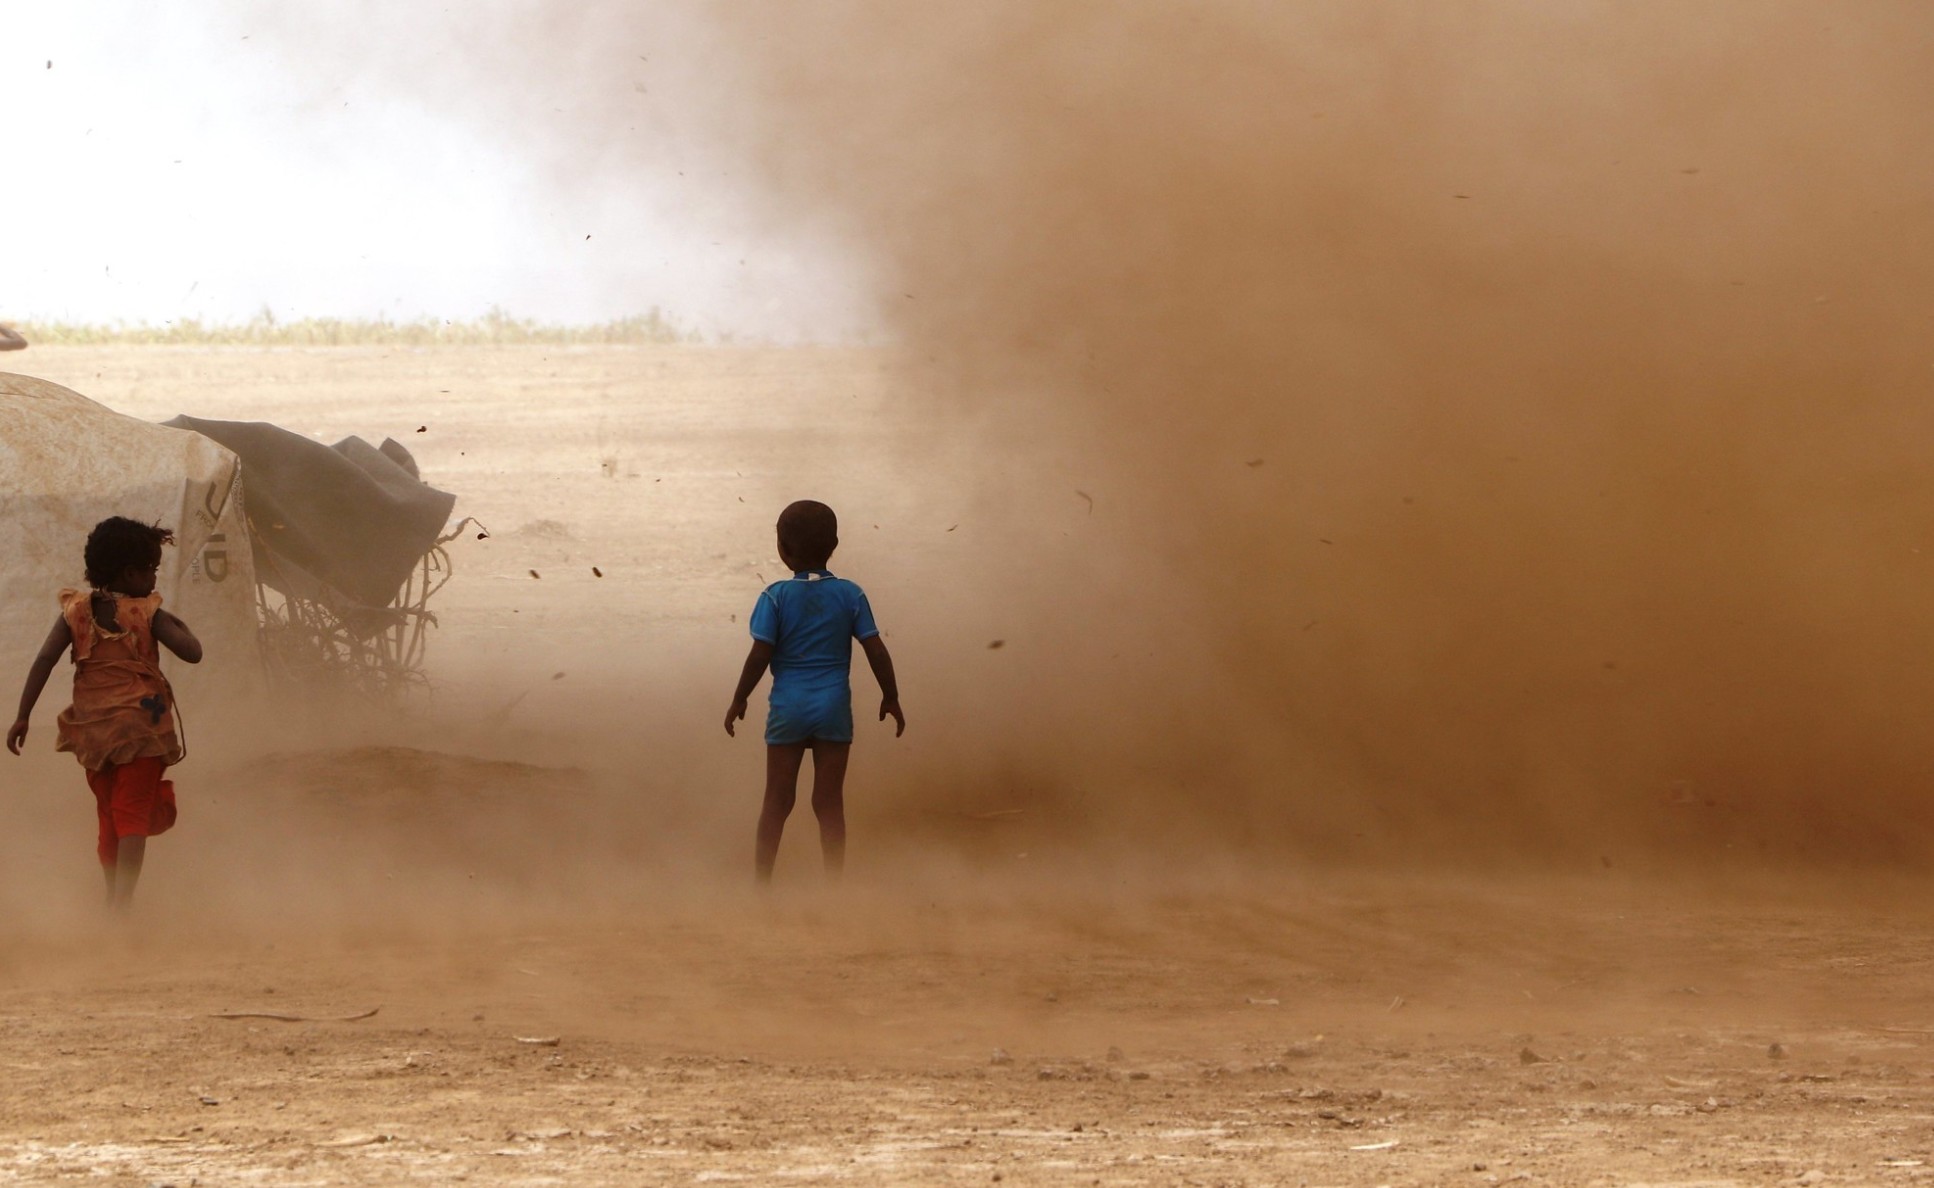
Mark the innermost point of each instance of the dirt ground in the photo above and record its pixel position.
(512, 928)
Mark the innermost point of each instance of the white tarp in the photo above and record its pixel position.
(67, 463)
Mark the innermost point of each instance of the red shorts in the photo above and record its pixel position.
(133, 801)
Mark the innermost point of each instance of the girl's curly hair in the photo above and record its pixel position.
(119, 544)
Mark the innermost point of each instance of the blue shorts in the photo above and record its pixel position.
(797, 717)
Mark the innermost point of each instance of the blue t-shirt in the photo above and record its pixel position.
(811, 622)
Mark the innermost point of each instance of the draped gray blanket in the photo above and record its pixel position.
(352, 516)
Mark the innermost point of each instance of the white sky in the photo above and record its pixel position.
(171, 164)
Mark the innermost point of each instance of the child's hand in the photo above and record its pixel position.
(16, 734)
(892, 706)
(735, 714)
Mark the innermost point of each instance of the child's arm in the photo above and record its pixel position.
(755, 667)
(58, 641)
(882, 662)
(174, 634)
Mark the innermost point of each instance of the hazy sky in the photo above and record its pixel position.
(181, 161)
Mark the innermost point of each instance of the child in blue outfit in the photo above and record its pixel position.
(803, 628)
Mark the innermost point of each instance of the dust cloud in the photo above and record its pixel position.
(1503, 421)
(1477, 428)
(1429, 435)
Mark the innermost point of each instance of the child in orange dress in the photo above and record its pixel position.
(122, 723)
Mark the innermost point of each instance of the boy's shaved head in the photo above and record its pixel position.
(118, 544)
(808, 533)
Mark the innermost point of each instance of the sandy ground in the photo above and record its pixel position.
(535, 878)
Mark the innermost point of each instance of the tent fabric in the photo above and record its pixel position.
(352, 516)
(67, 463)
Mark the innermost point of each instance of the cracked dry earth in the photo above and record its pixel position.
(1396, 1036)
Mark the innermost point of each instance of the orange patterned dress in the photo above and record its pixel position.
(123, 709)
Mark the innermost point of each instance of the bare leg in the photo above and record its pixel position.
(782, 789)
(107, 872)
(829, 803)
(127, 870)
